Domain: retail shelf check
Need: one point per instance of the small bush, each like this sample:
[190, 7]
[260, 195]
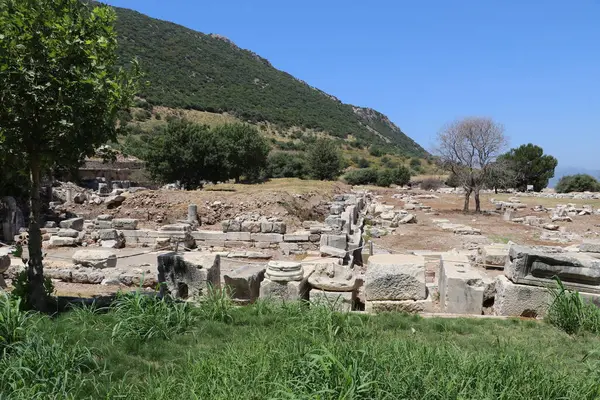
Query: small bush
[431, 184]
[571, 313]
[145, 317]
[577, 183]
[376, 151]
[385, 177]
[325, 160]
[363, 163]
[286, 165]
[365, 176]
[142, 115]
[21, 289]
[415, 163]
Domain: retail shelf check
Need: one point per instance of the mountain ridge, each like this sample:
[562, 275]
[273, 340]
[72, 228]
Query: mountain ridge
[209, 72]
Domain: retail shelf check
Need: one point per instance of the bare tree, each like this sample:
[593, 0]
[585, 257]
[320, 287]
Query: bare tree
[469, 148]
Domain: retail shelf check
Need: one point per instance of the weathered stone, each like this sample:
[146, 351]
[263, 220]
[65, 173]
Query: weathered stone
[111, 281]
[336, 208]
[337, 241]
[551, 227]
[209, 235]
[520, 300]
[56, 241]
[300, 236]
[181, 228]
[577, 271]
[408, 219]
[461, 286]
[267, 237]
[189, 275]
[108, 234]
[87, 275]
[337, 301]
[4, 262]
[402, 306]
[395, 277]
[245, 236]
[251, 226]
[335, 222]
[244, 282]
[590, 247]
[50, 224]
[114, 201]
[73, 223]
[138, 277]
[68, 233]
[104, 217]
[93, 258]
[284, 271]
[494, 256]
[333, 277]
[124, 223]
[289, 248]
[284, 291]
[279, 227]
[332, 251]
[266, 227]
[238, 243]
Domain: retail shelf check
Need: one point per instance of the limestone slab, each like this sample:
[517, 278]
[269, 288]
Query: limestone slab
[395, 277]
[333, 277]
[72, 223]
[267, 237]
[189, 275]
[244, 282]
[461, 286]
[95, 258]
[283, 291]
[337, 301]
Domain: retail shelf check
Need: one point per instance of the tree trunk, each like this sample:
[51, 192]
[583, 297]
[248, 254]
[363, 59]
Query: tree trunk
[467, 199]
[35, 268]
[496, 190]
[477, 201]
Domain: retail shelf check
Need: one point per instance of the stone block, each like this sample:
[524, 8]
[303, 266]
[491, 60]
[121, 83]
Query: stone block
[494, 256]
[263, 245]
[329, 251]
[289, 248]
[124, 223]
[520, 300]
[284, 291]
[238, 243]
[72, 223]
[267, 237]
[590, 247]
[244, 282]
[402, 306]
[279, 227]
[251, 226]
[338, 301]
[461, 286]
[56, 241]
[178, 228]
[245, 236]
[300, 236]
[333, 277]
[68, 233]
[335, 222]
[395, 277]
[577, 271]
[337, 241]
[336, 208]
[95, 258]
[104, 217]
[266, 227]
[209, 235]
[108, 234]
[87, 275]
[4, 262]
[103, 224]
[189, 275]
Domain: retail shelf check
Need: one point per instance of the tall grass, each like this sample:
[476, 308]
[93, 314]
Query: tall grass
[217, 305]
[571, 313]
[144, 317]
[15, 324]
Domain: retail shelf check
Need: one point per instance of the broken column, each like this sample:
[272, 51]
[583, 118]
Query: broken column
[396, 282]
[244, 282]
[333, 285]
[189, 275]
[192, 216]
[284, 280]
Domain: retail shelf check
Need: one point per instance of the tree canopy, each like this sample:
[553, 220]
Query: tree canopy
[325, 160]
[528, 165]
[60, 92]
[577, 183]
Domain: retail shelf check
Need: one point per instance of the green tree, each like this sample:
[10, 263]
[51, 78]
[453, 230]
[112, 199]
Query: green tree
[324, 160]
[530, 166]
[246, 149]
[577, 183]
[185, 152]
[60, 94]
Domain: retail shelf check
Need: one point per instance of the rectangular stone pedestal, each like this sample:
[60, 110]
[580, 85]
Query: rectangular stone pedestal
[188, 275]
[405, 306]
[339, 301]
[284, 291]
[461, 286]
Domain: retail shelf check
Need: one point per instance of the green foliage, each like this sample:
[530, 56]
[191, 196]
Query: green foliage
[530, 166]
[324, 160]
[415, 163]
[21, 289]
[453, 181]
[246, 150]
[383, 177]
[286, 165]
[577, 183]
[144, 316]
[217, 305]
[571, 313]
[365, 176]
[376, 151]
[15, 323]
[142, 115]
[191, 70]
[193, 154]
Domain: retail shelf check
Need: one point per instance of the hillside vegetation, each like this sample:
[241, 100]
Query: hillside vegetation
[191, 70]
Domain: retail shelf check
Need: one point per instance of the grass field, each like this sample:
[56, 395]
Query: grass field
[148, 349]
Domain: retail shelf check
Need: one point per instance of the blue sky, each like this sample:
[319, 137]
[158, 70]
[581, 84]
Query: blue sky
[533, 65]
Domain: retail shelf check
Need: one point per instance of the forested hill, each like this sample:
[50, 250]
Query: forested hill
[189, 69]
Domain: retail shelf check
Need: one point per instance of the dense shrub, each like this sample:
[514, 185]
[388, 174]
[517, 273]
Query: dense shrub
[365, 176]
[571, 313]
[431, 184]
[142, 115]
[415, 163]
[324, 160]
[286, 165]
[577, 183]
[376, 151]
